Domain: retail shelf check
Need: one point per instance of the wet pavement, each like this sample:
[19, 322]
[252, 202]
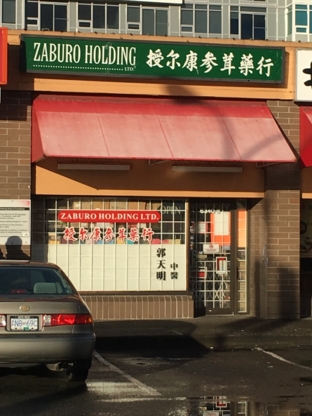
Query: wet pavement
[213, 332]
[207, 366]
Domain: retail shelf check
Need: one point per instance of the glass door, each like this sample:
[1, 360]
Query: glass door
[217, 256]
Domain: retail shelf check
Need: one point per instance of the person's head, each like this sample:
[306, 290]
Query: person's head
[14, 248]
[13, 242]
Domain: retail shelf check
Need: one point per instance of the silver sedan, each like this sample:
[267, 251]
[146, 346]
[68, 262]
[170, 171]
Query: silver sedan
[43, 319]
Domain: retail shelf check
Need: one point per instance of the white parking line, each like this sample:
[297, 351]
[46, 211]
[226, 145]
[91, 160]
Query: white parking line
[283, 359]
[150, 391]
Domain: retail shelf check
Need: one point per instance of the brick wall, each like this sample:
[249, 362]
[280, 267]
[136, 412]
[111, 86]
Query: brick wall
[282, 212]
[275, 237]
[257, 258]
[286, 114]
[114, 307]
[15, 139]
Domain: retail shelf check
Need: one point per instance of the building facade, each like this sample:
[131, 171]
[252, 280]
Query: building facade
[155, 153]
[278, 20]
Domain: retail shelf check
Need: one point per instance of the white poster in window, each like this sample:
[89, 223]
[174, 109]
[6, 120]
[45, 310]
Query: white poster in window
[15, 221]
[211, 248]
[148, 267]
[202, 227]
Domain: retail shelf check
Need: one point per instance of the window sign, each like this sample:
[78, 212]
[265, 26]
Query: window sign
[164, 269]
[107, 57]
[15, 221]
[108, 215]
[114, 244]
[107, 236]
[221, 265]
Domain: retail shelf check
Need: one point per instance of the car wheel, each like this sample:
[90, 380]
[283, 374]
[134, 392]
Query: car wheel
[79, 370]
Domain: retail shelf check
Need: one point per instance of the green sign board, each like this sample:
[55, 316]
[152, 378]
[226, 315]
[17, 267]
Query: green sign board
[108, 57]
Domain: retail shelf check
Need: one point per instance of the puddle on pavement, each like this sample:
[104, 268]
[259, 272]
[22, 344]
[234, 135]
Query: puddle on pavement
[112, 392]
[224, 406]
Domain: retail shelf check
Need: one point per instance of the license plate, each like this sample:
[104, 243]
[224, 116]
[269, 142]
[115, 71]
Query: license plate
[24, 323]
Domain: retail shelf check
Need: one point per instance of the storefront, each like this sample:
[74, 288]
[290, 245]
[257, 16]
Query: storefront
[147, 186]
[144, 231]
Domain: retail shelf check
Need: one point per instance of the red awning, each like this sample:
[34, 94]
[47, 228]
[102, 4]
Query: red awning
[306, 135]
[145, 128]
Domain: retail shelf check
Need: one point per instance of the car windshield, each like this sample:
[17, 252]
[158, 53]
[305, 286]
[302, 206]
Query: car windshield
[37, 280]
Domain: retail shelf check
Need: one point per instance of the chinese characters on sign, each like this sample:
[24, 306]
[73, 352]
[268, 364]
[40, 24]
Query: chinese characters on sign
[192, 62]
[108, 236]
[161, 273]
[152, 59]
[113, 216]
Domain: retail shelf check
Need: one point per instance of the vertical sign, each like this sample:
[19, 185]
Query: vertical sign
[304, 75]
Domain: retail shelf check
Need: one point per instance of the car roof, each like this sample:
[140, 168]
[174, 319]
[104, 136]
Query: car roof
[27, 263]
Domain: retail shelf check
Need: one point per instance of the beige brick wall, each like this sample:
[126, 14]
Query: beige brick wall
[282, 202]
[274, 255]
[257, 257]
[283, 270]
[117, 307]
[274, 235]
[286, 114]
[15, 139]
[15, 135]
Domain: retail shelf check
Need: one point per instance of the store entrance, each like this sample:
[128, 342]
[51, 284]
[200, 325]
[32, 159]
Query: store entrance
[218, 230]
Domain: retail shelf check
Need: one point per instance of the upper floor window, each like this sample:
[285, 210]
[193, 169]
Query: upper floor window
[98, 16]
[303, 19]
[9, 11]
[53, 17]
[147, 20]
[47, 16]
[201, 19]
[248, 22]
[234, 20]
[133, 18]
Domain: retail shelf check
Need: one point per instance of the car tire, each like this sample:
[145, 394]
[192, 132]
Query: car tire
[78, 371]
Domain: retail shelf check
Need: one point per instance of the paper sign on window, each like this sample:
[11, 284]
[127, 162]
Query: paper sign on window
[211, 248]
[221, 265]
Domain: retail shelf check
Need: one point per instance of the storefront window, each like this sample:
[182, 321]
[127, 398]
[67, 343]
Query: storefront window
[114, 244]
